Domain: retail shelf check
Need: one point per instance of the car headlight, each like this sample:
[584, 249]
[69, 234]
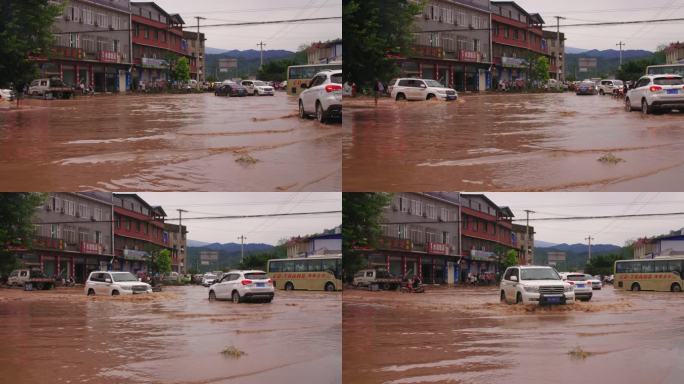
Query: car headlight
[569, 288]
[532, 288]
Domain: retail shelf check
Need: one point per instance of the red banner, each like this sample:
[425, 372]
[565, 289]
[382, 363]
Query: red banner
[469, 56]
[438, 248]
[108, 56]
[92, 248]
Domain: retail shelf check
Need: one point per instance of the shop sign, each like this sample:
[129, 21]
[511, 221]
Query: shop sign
[155, 63]
[472, 56]
[134, 254]
[482, 255]
[438, 248]
[108, 56]
[514, 62]
[394, 243]
[91, 248]
[47, 242]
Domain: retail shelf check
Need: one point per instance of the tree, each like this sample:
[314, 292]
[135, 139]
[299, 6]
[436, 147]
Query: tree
[162, 261]
[375, 30]
[17, 211]
[510, 259]
[180, 70]
[540, 70]
[24, 32]
[603, 264]
[361, 218]
[275, 70]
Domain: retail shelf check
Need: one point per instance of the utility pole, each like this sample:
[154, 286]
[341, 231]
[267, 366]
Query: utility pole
[180, 238]
[620, 44]
[527, 234]
[242, 239]
[589, 239]
[558, 19]
[197, 50]
[261, 46]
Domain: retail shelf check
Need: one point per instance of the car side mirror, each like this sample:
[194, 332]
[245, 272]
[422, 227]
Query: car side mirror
[423, 86]
[514, 278]
[108, 280]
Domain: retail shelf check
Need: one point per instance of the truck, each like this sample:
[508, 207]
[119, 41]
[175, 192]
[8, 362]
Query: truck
[379, 278]
[30, 279]
[52, 88]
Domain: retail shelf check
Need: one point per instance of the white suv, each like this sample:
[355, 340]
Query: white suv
[322, 96]
[257, 88]
[526, 284]
[113, 283]
[583, 287]
[656, 92]
[606, 87]
[243, 285]
[420, 89]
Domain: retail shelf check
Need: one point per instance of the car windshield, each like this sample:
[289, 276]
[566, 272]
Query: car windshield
[259, 83]
[576, 278]
[256, 276]
[618, 82]
[539, 274]
[434, 83]
[125, 276]
[668, 81]
[210, 277]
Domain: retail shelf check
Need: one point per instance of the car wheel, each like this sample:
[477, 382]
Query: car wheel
[645, 109]
[320, 114]
[256, 93]
[236, 297]
[628, 106]
[676, 288]
[503, 297]
[330, 287]
[115, 293]
[601, 92]
[212, 296]
[636, 287]
[430, 96]
[401, 97]
[289, 286]
[91, 292]
[302, 113]
[518, 298]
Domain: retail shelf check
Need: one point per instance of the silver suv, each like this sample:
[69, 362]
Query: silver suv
[243, 285]
[527, 284]
[322, 96]
[112, 283]
[420, 89]
[607, 87]
[654, 93]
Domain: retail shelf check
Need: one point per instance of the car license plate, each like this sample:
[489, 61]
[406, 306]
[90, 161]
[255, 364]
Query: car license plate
[260, 285]
[672, 91]
[451, 97]
[580, 285]
[553, 299]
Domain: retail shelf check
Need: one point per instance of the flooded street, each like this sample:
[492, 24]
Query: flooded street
[489, 141]
[193, 142]
[176, 336]
[466, 336]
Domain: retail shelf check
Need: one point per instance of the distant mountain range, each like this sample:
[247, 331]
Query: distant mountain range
[543, 244]
[571, 50]
[583, 248]
[248, 60]
[576, 255]
[608, 61]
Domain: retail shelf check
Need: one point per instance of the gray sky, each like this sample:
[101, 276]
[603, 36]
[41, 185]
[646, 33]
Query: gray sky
[262, 230]
[641, 36]
[612, 231]
[279, 36]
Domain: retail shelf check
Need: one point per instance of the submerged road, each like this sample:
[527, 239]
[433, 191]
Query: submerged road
[512, 142]
[175, 336]
[192, 142]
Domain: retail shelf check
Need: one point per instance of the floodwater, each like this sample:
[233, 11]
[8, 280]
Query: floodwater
[191, 142]
[176, 336]
[467, 336]
[512, 142]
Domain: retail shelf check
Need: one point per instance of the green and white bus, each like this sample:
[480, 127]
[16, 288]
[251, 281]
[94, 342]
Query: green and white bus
[315, 273]
[660, 274]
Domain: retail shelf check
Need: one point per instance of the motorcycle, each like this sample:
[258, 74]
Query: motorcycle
[408, 286]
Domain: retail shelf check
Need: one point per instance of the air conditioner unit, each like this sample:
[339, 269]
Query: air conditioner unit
[427, 17]
[424, 214]
[111, 27]
[97, 24]
[92, 217]
[62, 210]
[441, 218]
[471, 26]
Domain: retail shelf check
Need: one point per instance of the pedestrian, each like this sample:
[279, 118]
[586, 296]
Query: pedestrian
[379, 89]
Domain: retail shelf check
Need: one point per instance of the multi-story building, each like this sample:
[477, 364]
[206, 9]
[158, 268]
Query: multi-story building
[645, 248]
[557, 54]
[323, 244]
[138, 231]
[92, 46]
[178, 242]
[674, 53]
[524, 243]
[157, 37]
[73, 235]
[325, 52]
[452, 45]
[517, 38]
[196, 52]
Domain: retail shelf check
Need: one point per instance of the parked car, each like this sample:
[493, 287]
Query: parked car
[208, 279]
[583, 287]
[257, 88]
[421, 89]
[607, 87]
[50, 88]
[322, 96]
[239, 286]
[367, 277]
[655, 93]
[112, 283]
[586, 87]
[7, 95]
[230, 88]
[526, 284]
[595, 282]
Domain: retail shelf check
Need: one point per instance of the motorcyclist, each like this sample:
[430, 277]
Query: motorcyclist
[416, 282]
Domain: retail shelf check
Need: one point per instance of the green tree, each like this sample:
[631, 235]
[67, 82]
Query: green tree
[378, 29]
[17, 212]
[603, 264]
[24, 32]
[540, 70]
[275, 70]
[361, 219]
[180, 70]
[510, 259]
[162, 261]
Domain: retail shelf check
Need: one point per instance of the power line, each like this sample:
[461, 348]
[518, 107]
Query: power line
[569, 218]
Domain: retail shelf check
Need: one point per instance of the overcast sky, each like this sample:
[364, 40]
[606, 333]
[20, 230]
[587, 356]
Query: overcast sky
[279, 36]
[605, 231]
[262, 230]
[642, 36]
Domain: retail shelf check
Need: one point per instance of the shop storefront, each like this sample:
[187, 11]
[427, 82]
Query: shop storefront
[434, 266]
[462, 76]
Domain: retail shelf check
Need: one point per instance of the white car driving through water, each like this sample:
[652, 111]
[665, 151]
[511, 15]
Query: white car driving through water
[420, 89]
[526, 284]
[113, 283]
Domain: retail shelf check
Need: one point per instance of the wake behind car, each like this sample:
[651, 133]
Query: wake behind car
[7, 95]
[656, 93]
[230, 88]
[526, 284]
[240, 286]
[112, 283]
[421, 89]
[322, 96]
[257, 88]
[586, 87]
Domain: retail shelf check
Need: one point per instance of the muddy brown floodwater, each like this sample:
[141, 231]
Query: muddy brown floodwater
[489, 142]
[176, 336]
[466, 336]
[195, 142]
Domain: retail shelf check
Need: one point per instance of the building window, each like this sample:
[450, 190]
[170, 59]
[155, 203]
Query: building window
[83, 235]
[416, 207]
[430, 211]
[98, 237]
[69, 234]
[146, 33]
[446, 238]
[82, 210]
[69, 208]
[127, 223]
[55, 231]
